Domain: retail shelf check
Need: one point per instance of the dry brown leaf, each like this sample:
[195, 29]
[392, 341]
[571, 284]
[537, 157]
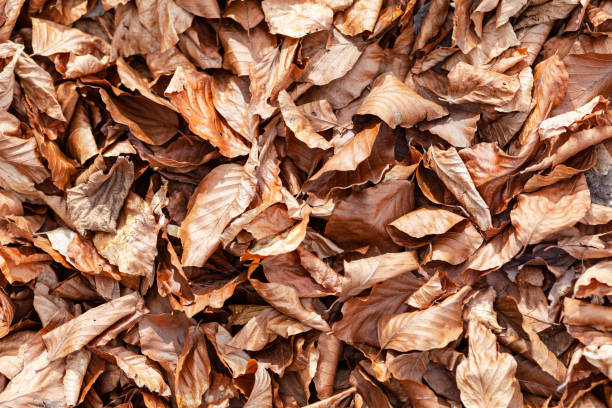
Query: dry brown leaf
[155, 153]
[191, 378]
[396, 104]
[340, 92]
[296, 18]
[428, 329]
[79, 331]
[137, 367]
[246, 13]
[222, 195]
[86, 54]
[95, 203]
[596, 280]
[231, 99]
[299, 124]
[377, 207]
[467, 83]
[421, 223]
[330, 56]
[451, 170]
[359, 17]
[486, 378]
[366, 272]
[549, 210]
[272, 72]
[149, 122]
[190, 92]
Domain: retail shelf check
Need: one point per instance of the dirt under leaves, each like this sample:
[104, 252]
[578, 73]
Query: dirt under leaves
[291, 203]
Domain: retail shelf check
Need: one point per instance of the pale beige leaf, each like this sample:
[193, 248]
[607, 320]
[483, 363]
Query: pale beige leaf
[296, 18]
[133, 246]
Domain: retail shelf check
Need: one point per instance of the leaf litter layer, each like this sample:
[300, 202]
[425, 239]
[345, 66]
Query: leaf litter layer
[291, 203]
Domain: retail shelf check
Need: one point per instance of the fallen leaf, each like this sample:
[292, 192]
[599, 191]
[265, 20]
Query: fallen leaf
[413, 330]
[396, 104]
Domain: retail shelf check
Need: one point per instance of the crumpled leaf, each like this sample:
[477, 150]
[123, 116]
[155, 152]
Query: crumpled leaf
[190, 91]
[149, 122]
[596, 280]
[338, 52]
[38, 84]
[299, 124]
[39, 383]
[359, 17]
[467, 83]
[86, 54]
[133, 246]
[450, 169]
[378, 206]
[95, 204]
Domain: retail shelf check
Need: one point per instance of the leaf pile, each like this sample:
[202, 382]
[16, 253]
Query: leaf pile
[290, 203]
